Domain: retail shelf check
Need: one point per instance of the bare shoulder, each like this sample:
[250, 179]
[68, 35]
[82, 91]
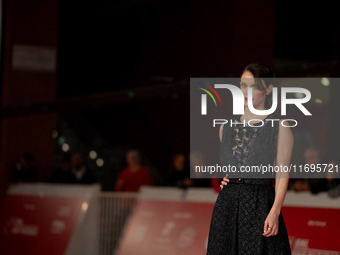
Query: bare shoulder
[285, 132]
[221, 132]
[285, 144]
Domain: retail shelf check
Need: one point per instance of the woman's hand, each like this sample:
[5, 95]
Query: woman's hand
[224, 182]
[271, 225]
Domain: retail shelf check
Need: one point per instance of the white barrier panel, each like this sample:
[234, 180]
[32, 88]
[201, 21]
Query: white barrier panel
[310, 218]
[50, 219]
[201, 195]
[174, 226]
[161, 193]
[306, 199]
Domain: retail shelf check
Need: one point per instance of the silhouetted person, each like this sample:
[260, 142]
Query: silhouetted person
[134, 175]
[79, 172]
[333, 176]
[311, 156]
[179, 174]
[333, 179]
[197, 159]
[64, 167]
[24, 170]
[330, 181]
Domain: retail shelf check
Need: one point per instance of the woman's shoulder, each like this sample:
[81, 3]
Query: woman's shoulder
[274, 119]
[274, 116]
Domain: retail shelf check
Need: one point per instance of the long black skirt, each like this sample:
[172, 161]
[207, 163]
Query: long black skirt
[238, 220]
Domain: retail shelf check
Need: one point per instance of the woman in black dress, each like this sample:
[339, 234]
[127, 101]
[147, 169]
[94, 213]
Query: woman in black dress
[247, 216]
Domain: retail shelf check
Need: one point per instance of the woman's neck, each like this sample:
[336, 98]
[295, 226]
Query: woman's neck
[249, 115]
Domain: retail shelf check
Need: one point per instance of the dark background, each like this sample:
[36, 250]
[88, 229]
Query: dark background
[123, 71]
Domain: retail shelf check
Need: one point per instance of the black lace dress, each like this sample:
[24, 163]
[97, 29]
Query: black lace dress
[243, 205]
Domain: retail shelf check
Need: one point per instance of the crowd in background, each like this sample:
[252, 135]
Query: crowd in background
[73, 170]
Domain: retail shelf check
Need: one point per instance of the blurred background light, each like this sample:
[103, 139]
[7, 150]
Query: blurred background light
[65, 147]
[92, 154]
[100, 162]
[325, 81]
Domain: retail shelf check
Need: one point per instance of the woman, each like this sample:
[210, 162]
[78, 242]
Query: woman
[247, 215]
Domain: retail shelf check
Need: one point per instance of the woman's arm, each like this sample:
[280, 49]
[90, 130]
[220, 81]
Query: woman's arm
[221, 132]
[285, 143]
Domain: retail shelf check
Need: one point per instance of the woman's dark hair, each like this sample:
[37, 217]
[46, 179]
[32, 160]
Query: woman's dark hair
[260, 71]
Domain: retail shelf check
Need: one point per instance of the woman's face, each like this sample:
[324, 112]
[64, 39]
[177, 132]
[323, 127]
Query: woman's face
[260, 91]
